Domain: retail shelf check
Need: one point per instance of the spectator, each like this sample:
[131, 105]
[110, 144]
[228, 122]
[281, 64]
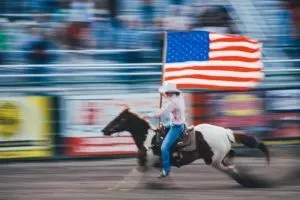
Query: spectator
[130, 38]
[177, 2]
[52, 6]
[82, 11]
[73, 39]
[103, 33]
[3, 43]
[39, 6]
[177, 21]
[4, 6]
[36, 53]
[37, 49]
[215, 19]
[113, 6]
[82, 14]
[294, 7]
[147, 12]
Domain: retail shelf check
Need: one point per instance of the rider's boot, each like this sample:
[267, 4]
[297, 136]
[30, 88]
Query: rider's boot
[163, 174]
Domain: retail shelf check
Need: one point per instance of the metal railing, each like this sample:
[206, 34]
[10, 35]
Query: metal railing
[98, 65]
[76, 77]
[88, 51]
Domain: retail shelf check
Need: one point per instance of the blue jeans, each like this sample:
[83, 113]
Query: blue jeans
[172, 136]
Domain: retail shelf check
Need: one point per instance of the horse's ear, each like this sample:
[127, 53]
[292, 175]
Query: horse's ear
[125, 105]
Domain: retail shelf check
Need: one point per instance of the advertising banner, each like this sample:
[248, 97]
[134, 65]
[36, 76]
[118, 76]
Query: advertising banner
[25, 127]
[85, 116]
[283, 107]
[239, 110]
[283, 100]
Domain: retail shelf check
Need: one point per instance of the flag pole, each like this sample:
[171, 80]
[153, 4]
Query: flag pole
[163, 67]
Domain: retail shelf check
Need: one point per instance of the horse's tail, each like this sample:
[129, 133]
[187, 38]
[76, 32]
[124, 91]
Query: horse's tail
[252, 142]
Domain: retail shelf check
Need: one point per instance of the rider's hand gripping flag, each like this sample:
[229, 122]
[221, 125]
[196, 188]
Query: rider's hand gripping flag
[205, 60]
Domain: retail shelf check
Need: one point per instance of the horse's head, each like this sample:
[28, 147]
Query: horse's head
[118, 124]
[128, 121]
[138, 127]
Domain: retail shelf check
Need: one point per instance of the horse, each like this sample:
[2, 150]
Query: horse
[215, 148]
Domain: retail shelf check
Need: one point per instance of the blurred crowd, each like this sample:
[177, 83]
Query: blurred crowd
[95, 31]
[30, 28]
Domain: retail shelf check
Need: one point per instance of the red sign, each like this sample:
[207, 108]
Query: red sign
[100, 146]
[86, 113]
[85, 116]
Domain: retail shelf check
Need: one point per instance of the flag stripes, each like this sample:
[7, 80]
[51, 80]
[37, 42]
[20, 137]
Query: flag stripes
[234, 62]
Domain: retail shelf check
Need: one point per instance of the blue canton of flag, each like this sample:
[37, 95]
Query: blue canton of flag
[187, 46]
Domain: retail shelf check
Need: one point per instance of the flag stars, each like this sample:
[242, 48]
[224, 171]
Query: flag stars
[187, 46]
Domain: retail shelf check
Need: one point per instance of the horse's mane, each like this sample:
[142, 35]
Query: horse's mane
[140, 117]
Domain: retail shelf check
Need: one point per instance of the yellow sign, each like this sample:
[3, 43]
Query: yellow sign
[9, 118]
[241, 105]
[25, 127]
[33, 153]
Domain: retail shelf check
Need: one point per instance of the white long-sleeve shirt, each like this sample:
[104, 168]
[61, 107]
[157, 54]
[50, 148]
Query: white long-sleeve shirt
[175, 107]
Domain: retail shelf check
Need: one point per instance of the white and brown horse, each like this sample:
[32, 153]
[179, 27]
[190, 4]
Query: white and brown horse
[213, 143]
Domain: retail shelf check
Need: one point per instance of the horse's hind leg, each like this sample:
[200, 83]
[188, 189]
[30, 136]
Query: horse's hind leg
[233, 173]
[227, 169]
[228, 160]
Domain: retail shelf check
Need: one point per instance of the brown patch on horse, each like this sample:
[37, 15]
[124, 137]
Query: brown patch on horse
[204, 149]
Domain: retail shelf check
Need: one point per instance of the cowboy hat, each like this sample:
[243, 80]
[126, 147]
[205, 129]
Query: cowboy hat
[168, 87]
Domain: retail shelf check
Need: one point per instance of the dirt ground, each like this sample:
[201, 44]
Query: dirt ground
[118, 179]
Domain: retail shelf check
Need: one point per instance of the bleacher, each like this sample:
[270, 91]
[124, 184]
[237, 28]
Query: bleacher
[264, 20]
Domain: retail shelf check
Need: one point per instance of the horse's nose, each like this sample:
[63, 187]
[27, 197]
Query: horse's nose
[104, 131]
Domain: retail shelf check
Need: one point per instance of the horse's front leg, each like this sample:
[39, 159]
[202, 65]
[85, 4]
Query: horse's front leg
[142, 160]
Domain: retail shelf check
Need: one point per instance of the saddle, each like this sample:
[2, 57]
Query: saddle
[186, 145]
[187, 141]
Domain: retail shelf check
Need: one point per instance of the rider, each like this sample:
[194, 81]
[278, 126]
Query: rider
[175, 107]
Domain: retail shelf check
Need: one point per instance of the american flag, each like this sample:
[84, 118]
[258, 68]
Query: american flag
[206, 60]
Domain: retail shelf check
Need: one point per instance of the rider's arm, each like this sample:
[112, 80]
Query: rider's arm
[164, 110]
